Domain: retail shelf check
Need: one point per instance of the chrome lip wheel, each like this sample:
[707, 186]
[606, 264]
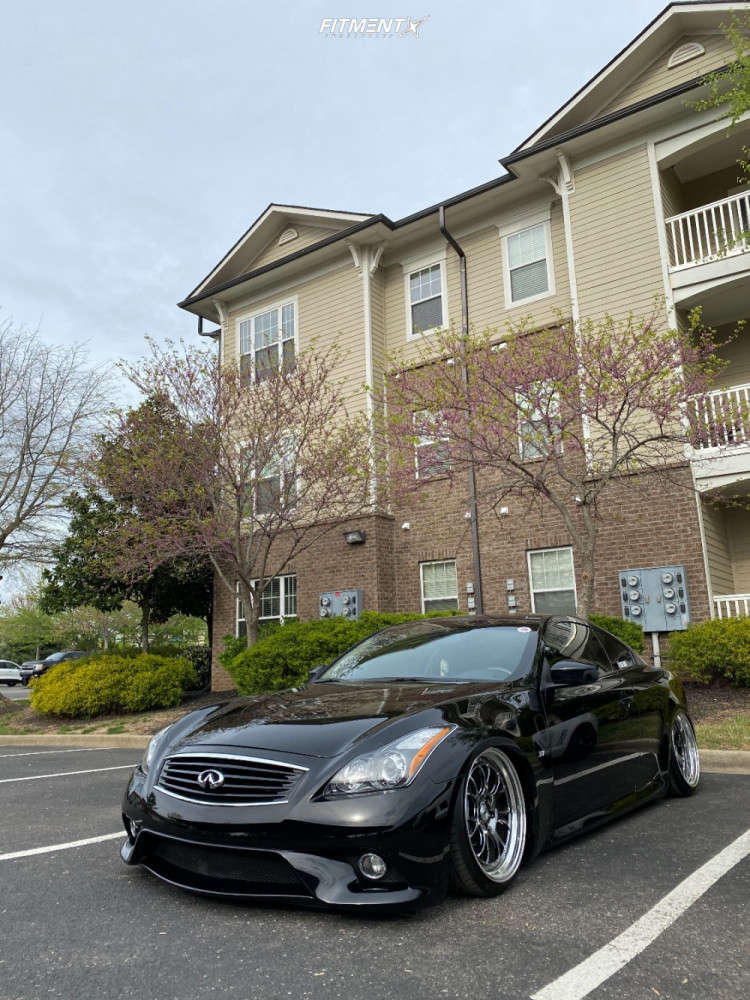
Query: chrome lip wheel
[685, 749]
[495, 815]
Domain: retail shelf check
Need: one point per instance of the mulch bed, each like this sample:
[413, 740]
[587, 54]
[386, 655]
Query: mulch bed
[714, 704]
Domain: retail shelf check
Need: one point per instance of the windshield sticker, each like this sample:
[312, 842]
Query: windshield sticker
[523, 628]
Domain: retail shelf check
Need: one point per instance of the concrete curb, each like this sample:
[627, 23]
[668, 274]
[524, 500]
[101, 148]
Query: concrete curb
[712, 761]
[725, 761]
[119, 741]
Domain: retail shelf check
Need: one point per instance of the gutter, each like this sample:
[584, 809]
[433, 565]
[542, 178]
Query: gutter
[472, 476]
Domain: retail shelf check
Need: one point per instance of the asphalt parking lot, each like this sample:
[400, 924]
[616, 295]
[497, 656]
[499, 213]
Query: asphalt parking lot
[76, 923]
[17, 693]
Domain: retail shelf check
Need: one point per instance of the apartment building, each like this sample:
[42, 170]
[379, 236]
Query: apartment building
[624, 194]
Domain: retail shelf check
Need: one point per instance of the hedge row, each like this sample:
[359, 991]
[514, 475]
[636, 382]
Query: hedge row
[284, 658]
[112, 682]
[713, 650]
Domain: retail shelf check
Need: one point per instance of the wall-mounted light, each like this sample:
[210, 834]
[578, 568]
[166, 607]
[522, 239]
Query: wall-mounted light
[354, 537]
[406, 526]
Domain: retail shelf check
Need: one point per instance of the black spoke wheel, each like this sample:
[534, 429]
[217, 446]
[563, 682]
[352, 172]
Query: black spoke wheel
[684, 762]
[489, 825]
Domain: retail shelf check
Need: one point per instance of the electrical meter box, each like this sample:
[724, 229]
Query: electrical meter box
[655, 598]
[340, 604]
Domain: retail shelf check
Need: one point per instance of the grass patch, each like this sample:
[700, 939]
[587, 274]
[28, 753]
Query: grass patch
[728, 734]
[120, 728]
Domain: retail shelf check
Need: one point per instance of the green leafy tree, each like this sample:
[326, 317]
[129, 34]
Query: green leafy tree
[730, 88]
[83, 572]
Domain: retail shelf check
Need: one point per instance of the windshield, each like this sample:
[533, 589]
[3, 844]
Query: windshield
[55, 657]
[439, 651]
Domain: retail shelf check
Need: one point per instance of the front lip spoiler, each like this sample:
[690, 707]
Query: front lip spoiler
[332, 889]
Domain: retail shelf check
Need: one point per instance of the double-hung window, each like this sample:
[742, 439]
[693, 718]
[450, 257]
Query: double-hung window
[276, 486]
[278, 601]
[538, 408]
[552, 581]
[528, 272]
[425, 300]
[439, 585]
[432, 453]
[268, 341]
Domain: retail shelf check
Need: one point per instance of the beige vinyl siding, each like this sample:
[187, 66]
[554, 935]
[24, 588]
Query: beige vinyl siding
[306, 236]
[329, 311]
[737, 523]
[713, 187]
[717, 549]
[658, 77]
[615, 242]
[737, 353]
[484, 276]
[672, 195]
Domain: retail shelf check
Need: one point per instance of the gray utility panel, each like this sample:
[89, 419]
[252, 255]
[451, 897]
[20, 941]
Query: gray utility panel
[655, 598]
[340, 604]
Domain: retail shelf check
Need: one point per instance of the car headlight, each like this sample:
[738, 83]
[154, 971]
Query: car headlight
[393, 766]
[154, 744]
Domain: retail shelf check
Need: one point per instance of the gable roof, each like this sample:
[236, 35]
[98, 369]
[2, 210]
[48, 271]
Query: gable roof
[272, 221]
[599, 93]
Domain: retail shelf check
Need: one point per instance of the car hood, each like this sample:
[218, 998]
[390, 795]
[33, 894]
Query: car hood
[324, 720]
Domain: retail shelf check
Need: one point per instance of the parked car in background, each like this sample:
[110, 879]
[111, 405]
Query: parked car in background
[10, 673]
[54, 658]
[27, 669]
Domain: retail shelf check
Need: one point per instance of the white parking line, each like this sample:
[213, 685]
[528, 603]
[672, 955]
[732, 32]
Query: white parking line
[36, 753]
[62, 847]
[593, 971]
[66, 774]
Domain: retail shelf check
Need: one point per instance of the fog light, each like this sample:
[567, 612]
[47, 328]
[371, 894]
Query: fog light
[372, 866]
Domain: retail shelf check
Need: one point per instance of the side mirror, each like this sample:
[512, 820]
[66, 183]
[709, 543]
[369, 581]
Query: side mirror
[315, 672]
[570, 673]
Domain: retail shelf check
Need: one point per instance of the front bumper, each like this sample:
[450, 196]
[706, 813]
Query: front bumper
[306, 853]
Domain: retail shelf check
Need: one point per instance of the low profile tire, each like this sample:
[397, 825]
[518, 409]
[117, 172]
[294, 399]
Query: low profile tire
[488, 836]
[684, 762]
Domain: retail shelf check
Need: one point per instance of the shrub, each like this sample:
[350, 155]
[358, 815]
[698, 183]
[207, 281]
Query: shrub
[712, 650]
[285, 657]
[629, 632]
[112, 682]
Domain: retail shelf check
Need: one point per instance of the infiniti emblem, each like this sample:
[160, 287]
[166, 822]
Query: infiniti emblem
[210, 780]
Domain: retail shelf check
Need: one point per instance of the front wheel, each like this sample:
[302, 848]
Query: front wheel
[489, 826]
[684, 762]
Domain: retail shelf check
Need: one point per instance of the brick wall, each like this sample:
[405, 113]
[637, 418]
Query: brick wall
[648, 524]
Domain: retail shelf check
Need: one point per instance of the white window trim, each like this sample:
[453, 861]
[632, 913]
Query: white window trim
[246, 317]
[520, 398]
[257, 596]
[551, 590]
[432, 562]
[410, 267]
[426, 441]
[282, 476]
[518, 227]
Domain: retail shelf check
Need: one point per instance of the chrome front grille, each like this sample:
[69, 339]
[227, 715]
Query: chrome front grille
[245, 781]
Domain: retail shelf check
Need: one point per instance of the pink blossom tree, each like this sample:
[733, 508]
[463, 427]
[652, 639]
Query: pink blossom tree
[250, 472]
[561, 418]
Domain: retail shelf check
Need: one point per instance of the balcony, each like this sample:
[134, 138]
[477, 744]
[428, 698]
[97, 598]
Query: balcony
[709, 233]
[721, 418]
[732, 605]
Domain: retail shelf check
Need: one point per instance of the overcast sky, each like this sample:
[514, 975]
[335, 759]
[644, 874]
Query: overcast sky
[140, 139]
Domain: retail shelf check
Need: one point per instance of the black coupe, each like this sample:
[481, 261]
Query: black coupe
[435, 753]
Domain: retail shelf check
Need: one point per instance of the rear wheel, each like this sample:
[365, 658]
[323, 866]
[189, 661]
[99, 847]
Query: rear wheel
[684, 762]
[489, 826]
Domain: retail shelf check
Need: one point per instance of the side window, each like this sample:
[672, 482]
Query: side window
[566, 639]
[619, 654]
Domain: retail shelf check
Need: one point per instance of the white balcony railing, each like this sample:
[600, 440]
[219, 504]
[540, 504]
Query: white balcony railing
[710, 232]
[732, 605]
[721, 418]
